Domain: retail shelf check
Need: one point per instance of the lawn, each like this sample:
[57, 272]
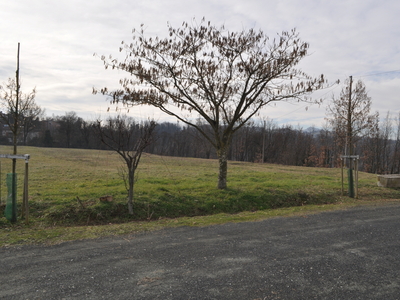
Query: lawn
[170, 191]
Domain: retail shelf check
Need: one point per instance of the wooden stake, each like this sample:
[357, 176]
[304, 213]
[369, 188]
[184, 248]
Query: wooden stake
[356, 177]
[342, 178]
[26, 194]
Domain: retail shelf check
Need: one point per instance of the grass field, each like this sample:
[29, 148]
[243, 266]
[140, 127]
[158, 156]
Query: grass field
[170, 191]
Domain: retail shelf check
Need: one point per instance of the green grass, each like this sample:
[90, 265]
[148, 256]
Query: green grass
[169, 192]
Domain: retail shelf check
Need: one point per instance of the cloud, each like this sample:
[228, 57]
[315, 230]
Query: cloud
[58, 39]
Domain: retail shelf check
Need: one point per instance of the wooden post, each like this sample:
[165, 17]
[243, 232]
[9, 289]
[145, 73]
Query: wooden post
[263, 144]
[356, 176]
[350, 140]
[26, 194]
[0, 182]
[14, 131]
[342, 177]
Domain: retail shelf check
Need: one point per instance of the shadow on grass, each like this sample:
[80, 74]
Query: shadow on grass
[178, 205]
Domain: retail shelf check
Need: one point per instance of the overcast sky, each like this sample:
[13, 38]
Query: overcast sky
[58, 39]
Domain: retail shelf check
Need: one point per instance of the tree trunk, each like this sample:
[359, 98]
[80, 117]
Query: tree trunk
[223, 168]
[131, 181]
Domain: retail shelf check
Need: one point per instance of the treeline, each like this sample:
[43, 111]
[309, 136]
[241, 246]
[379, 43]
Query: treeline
[268, 142]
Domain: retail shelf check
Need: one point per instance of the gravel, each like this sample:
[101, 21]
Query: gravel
[346, 254]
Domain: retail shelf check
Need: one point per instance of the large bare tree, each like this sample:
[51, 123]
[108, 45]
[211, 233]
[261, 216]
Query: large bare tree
[203, 71]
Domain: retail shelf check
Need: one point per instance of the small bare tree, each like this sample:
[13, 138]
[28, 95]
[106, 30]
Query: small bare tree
[18, 115]
[349, 115]
[350, 119]
[224, 78]
[129, 140]
[31, 118]
[13, 105]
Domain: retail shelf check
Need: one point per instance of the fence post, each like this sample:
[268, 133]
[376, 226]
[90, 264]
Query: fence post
[26, 194]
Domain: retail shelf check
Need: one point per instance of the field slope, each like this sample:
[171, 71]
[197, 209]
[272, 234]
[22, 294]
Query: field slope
[65, 186]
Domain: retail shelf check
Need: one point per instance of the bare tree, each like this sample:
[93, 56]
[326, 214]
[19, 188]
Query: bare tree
[349, 115]
[30, 118]
[68, 126]
[386, 132]
[17, 114]
[351, 119]
[395, 169]
[129, 140]
[224, 77]
[14, 103]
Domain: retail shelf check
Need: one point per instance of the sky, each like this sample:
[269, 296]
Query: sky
[58, 40]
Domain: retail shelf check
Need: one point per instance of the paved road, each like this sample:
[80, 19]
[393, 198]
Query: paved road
[351, 254]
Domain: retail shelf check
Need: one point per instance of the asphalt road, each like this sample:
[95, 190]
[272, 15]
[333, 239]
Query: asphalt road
[349, 254]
